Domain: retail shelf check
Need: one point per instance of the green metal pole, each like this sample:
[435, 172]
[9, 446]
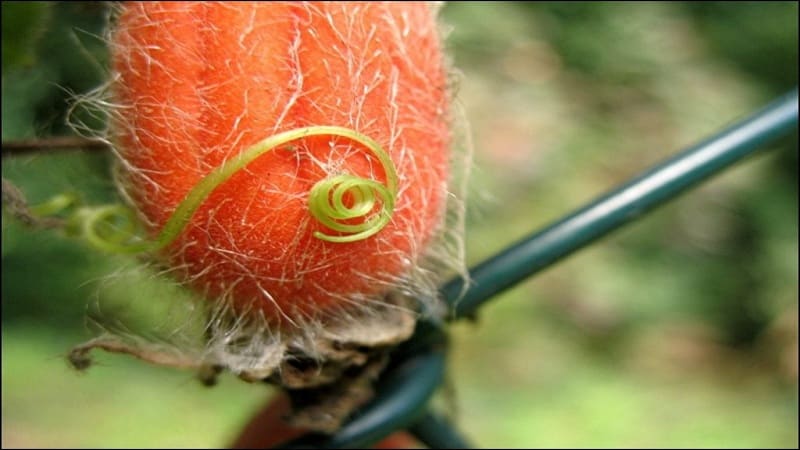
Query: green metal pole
[436, 432]
[624, 204]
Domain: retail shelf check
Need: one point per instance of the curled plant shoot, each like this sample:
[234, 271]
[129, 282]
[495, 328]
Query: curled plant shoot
[335, 201]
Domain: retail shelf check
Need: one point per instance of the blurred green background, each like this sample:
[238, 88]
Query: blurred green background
[680, 330]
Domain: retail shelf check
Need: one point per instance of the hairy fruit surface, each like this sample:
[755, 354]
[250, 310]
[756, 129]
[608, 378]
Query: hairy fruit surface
[199, 83]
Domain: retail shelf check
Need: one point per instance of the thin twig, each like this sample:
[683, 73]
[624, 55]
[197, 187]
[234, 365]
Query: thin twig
[15, 204]
[80, 360]
[13, 148]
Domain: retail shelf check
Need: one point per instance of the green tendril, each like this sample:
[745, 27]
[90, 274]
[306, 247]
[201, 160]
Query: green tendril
[327, 205]
[56, 205]
[113, 227]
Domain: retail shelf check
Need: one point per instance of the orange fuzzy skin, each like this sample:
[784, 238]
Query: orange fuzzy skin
[200, 82]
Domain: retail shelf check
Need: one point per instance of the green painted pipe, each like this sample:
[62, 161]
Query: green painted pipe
[436, 432]
[622, 205]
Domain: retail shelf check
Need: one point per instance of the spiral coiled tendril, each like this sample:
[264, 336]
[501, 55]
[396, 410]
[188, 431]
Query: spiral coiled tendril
[112, 227]
[326, 203]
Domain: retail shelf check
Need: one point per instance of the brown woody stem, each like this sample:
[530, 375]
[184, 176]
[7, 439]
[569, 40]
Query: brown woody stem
[12, 148]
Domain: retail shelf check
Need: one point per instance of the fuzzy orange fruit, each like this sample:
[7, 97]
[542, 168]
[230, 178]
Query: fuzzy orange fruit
[198, 83]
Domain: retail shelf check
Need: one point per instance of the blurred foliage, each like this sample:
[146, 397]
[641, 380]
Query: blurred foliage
[680, 330]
